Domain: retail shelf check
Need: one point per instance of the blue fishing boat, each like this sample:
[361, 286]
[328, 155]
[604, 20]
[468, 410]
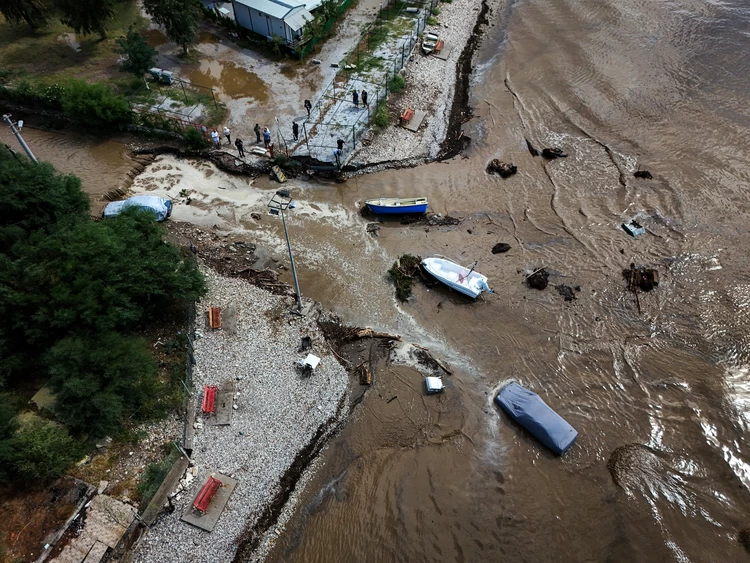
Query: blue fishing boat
[530, 411]
[396, 205]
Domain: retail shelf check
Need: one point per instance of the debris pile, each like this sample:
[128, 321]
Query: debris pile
[645, 174]
[641, 277]
[567, 292]
[500, 247]
[403, 272]
[538, 279]
[553, 153]
[504, 169]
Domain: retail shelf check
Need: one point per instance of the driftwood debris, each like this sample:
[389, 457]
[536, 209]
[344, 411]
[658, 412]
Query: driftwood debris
[365, 375]
[639, 279]
[369, 333]
[425, 357]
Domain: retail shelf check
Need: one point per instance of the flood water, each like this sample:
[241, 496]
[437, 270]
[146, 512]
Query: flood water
[661, 467]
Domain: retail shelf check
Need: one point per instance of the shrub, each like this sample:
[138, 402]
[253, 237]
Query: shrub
[95, 104]
[380, 117]
[432, 20]
[397, 83]
[99, 379]
[43, 450]
[436, 11]
[194, 139]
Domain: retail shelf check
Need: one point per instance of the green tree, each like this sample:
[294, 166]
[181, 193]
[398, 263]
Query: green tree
[33, 12]
[139, 56]
[180, 19]
[36, 198]
[98, 380]
[86, 16]
[95, 104]
[42, 450]
[94, 278]
[8, 426]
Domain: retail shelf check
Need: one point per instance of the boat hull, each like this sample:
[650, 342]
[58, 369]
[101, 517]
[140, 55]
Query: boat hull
[456, 277]
[388, 210]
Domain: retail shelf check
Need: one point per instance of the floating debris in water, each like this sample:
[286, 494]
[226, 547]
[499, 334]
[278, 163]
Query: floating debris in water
[553, 153]
[504, 169]
[538, 279]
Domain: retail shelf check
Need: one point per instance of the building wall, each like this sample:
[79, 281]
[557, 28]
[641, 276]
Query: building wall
[260, 23]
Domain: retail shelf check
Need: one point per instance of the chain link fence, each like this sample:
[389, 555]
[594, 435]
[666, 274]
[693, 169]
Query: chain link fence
[384, 48]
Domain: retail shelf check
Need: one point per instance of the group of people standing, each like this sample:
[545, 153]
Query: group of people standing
[356, 96]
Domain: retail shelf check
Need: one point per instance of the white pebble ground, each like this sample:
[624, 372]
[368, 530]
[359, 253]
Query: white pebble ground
[277, 414]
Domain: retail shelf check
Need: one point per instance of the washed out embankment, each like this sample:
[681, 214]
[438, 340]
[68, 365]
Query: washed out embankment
[280, 419]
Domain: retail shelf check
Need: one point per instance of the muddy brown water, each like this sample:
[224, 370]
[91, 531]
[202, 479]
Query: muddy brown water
[660, 470]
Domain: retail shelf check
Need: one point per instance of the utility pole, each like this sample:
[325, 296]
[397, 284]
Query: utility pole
[17, 133]
[279, 203]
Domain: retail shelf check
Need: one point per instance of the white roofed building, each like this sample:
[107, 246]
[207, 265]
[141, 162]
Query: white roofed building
[284, 18]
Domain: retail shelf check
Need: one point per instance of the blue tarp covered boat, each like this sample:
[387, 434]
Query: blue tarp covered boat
[396, 205]
[530, 411]
[161, 207]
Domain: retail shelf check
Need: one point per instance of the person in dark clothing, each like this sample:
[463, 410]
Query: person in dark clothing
[257, 133]
[308, 107]
[364, 98]
[240, 147]
[340, 144]
[295, 130]
[355, 99]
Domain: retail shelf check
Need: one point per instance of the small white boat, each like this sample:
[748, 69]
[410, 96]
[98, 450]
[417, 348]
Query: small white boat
[428, 43]
[464, 280]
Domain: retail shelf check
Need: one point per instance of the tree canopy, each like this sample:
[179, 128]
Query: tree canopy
[72, 293]
[98, 380]
[87, 16]
[180, 19]
[34, 12]
[138, 55]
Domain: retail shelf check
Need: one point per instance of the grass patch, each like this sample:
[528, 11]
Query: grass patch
[432, 20]
[402, 274]
[397, 83]
[154, 474]
[380, 117]
[436, 11]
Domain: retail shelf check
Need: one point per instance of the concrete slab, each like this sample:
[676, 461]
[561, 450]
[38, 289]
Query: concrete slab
[416, 120]
[443, 54]
[224, 401]
[44, 399]
[96, 552]
[106, 520]
[208, 520]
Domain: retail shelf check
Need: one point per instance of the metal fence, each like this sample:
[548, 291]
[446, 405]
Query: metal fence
[371, 66]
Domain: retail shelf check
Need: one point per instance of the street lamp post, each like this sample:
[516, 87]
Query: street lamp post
[17, 132]
[279, 203]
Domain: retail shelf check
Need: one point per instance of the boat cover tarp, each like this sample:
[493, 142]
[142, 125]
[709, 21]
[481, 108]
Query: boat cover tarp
[530, 411]
[159, 205]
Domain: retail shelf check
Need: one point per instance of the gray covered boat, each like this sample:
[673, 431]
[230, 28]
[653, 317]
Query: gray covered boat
[530, 411]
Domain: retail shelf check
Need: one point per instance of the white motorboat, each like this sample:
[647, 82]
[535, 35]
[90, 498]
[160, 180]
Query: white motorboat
[464, 280]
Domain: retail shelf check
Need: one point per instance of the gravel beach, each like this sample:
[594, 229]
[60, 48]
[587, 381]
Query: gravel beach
[430, 87]
[276, 413]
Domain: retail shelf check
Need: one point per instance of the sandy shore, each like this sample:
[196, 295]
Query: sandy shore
[276, 415]
[431, 85]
